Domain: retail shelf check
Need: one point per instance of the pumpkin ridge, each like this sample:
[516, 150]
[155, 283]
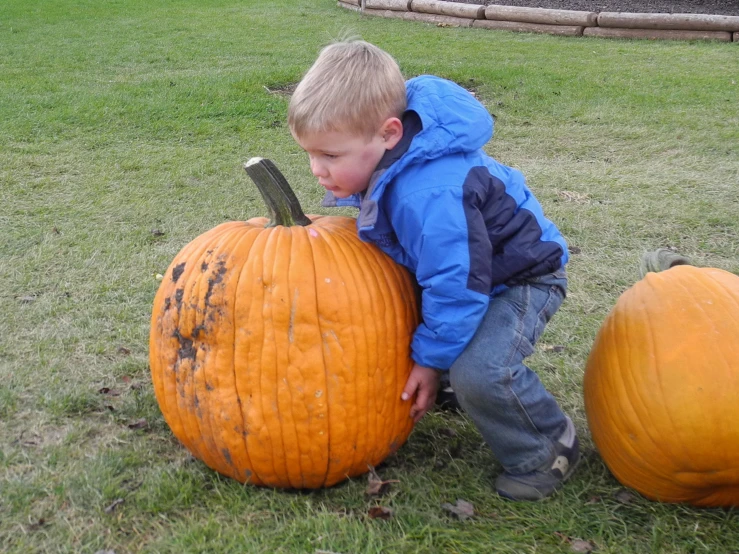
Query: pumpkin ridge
[315, 255]
[276, 431]
[662, 450]
[285, 416]
[391, 328]
[370, 335]
[628, 383]
[399, 322]
[221, 296]
[398, 325]
[654, 346]
[266, 469]
[379, 332]
[296, 377]
[362, 393]
[303, 275]
[246, 242]
[350, 421]
[186, 368]
[202, 442]
[252, 415]
[295, 272]
[203, 380]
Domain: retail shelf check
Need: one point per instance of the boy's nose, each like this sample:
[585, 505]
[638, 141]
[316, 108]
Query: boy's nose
[317, 168]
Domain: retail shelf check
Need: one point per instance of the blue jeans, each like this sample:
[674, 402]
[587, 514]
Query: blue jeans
[518, 418]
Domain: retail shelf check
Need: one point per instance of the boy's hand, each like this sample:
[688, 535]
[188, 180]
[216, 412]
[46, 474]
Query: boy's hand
[424, 383]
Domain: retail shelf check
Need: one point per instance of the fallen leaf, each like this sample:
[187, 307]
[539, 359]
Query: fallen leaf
[624, 496]
[551, 347]
[138, 424]
[579, 545]
[109, 392]
[380, 512]
[375, 485]
[37, 525]
[157, 232]
[123, 351]
[462, 509]
[117, 502]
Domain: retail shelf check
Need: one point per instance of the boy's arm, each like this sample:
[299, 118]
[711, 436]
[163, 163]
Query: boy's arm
[453, 252]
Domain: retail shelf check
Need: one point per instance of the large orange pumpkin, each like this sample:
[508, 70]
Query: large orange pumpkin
[661, 387]
[279, 350]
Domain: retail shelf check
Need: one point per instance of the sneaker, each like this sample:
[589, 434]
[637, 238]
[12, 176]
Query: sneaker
[543, 481]
[445, 398]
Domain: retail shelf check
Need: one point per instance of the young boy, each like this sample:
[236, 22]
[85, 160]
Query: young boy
[489, 264]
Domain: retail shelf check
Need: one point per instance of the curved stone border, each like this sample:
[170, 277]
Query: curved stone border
[670, 26]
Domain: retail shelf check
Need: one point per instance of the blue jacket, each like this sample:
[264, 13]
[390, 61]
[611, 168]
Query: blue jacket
[465, 225]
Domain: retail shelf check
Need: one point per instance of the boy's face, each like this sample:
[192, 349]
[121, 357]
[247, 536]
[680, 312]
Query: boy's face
[343, 162]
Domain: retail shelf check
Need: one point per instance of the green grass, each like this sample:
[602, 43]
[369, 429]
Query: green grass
[120, 118]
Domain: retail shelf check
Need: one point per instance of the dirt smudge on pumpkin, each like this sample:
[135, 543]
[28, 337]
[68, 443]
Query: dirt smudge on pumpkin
[198, 329]
[178, 296]
[186, 350]
[178, 271]
[227, 455]
[215, 279]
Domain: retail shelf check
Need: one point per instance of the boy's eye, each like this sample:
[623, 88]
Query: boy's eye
[331, 156]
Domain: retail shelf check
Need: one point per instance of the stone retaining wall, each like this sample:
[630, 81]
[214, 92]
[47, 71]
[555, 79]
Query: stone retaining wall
[672, 26]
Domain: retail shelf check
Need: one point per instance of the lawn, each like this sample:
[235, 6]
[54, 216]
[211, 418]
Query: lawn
[124, 125]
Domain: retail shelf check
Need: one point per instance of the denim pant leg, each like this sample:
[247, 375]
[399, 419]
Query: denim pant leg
[518, 418]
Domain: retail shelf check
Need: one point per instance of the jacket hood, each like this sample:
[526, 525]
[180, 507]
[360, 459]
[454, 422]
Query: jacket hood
[452, 119]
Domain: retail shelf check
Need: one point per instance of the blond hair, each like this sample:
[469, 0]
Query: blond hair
[353, 86]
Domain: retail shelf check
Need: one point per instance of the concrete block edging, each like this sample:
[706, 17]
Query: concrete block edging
[653, 26]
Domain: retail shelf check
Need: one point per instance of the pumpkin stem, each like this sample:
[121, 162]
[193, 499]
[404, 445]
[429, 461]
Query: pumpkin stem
[281, 201]
[661, 260]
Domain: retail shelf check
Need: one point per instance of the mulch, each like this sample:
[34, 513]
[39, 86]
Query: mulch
[714, 7]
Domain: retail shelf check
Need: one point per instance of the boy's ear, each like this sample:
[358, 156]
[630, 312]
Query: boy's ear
[391, 132]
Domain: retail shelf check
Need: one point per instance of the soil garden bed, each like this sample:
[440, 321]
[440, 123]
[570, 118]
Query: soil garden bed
[715, 20]
[715, 7]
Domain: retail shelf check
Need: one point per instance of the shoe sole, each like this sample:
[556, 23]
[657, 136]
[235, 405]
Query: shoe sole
[565, 477]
